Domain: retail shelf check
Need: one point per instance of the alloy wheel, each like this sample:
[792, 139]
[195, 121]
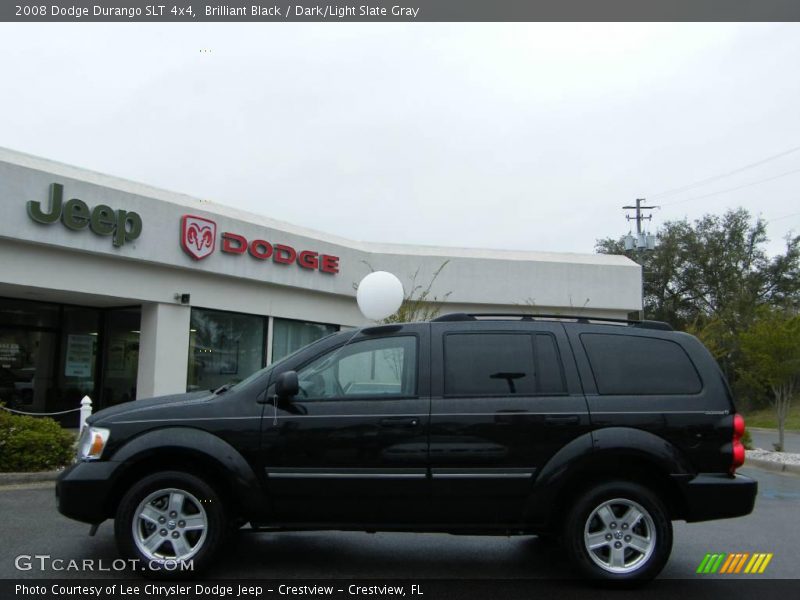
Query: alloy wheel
[619, 535]
[170, 524]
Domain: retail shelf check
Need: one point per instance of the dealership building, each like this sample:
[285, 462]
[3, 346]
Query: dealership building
[118, 290]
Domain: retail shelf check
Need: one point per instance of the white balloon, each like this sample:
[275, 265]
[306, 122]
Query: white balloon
[379, 295]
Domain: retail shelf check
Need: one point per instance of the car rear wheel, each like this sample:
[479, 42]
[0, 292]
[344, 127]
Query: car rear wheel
[171, 523]
[619, 532]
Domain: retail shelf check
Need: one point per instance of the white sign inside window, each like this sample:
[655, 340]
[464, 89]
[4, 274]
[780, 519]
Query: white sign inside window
[80, 356]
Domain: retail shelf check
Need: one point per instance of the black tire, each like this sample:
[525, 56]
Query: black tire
[633, 554]
[204, 521]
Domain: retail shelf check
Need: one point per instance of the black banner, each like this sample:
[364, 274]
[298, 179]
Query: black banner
[188, 11]
[435, 589]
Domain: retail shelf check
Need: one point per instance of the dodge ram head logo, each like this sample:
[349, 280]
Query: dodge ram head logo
[199, 239]
[198, 236]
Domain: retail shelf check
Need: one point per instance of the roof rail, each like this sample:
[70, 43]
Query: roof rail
[644, 324]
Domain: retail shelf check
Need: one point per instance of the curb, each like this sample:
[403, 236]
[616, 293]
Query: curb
[771, 465]
[17, 478]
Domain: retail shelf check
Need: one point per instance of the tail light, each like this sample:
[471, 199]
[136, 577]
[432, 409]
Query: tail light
[737, 460]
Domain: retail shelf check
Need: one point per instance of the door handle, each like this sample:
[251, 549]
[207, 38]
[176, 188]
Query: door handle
[562, 420]
[399, 422]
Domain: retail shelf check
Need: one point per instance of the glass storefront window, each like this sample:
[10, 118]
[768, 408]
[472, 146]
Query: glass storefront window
[224, 348]
[79, 338]
[289, 335]
[26, 368]
[28, 313]
[120, 355]
[52, 355]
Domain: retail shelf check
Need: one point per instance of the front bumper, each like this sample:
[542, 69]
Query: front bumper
[83, 490]
[710, 496]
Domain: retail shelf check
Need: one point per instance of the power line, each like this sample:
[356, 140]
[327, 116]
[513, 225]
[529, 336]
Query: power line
[783, 217]
[738, 187]
[689, 186]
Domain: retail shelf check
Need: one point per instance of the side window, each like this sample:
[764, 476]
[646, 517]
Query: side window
[633, 365]
[489, 364]
[549, 370]
[379, 367]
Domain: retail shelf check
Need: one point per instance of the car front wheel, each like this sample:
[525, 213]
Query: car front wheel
[619, 532]
[171, 523]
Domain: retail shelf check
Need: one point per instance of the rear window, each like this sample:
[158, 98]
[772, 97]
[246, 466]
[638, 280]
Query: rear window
[632, 365]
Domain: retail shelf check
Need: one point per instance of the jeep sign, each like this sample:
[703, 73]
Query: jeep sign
[122, 225]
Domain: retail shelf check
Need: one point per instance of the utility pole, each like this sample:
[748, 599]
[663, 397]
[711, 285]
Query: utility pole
[639, 216]
[643, 240]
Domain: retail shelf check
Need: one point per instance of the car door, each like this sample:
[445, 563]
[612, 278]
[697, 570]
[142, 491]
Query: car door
[351, 446]
[504, 400]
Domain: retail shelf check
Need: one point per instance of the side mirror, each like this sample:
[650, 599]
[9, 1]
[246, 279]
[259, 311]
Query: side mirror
[286, 384]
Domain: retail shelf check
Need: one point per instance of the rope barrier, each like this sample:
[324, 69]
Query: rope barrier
[20, 412]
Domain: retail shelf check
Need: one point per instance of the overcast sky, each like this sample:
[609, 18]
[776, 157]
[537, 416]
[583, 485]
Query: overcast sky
[518, 136]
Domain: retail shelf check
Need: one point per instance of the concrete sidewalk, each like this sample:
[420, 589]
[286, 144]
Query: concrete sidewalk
[21, 478]
[784, 462]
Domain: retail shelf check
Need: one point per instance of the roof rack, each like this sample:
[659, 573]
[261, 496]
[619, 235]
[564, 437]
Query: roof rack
[644, 324]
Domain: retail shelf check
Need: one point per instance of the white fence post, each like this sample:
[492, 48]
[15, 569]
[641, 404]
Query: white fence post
[86, 411]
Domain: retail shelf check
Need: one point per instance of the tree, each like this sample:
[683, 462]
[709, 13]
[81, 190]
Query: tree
[715, 268]
[771, 349]
[418, 303]
[710, 276]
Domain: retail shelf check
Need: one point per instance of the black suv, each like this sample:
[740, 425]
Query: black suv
[595, 433]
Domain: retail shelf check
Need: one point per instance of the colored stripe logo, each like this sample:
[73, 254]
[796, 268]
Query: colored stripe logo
[734, 563]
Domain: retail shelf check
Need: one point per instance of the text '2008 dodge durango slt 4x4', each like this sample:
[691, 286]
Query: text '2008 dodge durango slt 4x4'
[598, 433]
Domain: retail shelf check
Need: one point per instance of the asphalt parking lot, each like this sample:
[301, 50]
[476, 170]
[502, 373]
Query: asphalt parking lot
[765, 438]
[31, 525]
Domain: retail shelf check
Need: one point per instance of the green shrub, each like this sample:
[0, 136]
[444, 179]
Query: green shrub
[33, 444]
[747, 441]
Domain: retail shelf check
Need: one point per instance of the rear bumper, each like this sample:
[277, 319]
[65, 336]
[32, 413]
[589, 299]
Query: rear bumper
[710, 496]
[82, 490]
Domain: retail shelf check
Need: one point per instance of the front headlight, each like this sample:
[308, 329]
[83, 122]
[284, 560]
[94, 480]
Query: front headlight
[92, 443]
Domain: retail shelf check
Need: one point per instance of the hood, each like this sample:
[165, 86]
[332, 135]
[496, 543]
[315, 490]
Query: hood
[144, 407]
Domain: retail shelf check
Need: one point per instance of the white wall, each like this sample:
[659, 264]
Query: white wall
[51, 262]
[163, 344]
[473, 276]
